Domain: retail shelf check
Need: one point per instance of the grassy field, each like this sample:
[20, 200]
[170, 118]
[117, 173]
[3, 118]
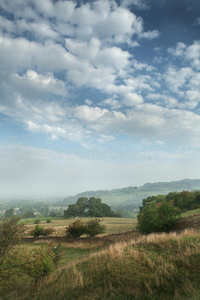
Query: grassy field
[157, 266]
[191, 212]
[113, 225]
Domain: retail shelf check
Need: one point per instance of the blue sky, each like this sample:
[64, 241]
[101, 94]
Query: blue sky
[98, 94]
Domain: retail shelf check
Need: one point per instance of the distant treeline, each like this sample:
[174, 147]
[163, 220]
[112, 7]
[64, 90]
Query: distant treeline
[92, 207]
[183, 201]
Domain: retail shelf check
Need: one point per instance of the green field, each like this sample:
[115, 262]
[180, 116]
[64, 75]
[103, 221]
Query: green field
[113, 225]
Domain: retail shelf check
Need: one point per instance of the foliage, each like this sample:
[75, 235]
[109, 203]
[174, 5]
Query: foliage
[183, 201]
[28, 214]
[18, 265]
[11, 233]
[92, 207]
[41, 262]
[9, 213]
[94, 227]
[160, 266]
[57, 250]
[91, 227]
[48, 231]
[37, 221]
[48, 221]
[157, 217]
[76, 229]
[39, 230]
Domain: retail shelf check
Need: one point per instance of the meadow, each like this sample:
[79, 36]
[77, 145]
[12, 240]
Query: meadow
[157, 266]
[120, 264]
[113, 225]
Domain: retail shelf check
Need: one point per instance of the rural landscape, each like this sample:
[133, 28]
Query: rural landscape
[92, 252]
[99, 149]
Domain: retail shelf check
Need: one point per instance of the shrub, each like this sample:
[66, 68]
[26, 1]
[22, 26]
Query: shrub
[41, 262]
[76, 229]
[157, 217]
[57, 250]
[39, 230]
[37, 221]
[11, 233]
[48, 221]
[11, 258]
[48, 231]
[94, 227]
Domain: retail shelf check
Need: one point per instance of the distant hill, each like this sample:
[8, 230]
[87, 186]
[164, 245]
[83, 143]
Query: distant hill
[130, 198]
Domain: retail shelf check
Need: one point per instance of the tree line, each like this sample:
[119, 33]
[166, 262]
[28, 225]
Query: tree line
[92, 207]
[160, 213]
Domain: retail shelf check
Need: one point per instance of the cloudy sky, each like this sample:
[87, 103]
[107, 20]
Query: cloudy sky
[98, 94]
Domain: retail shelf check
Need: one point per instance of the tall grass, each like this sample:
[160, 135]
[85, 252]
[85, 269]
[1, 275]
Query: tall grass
[157, 266]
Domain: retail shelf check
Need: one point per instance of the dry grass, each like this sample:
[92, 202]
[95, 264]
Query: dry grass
[113, 225]
[157, 266]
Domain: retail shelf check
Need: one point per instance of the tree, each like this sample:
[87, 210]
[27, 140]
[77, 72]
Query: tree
[9, 213]
[89, 208]
[157, 217]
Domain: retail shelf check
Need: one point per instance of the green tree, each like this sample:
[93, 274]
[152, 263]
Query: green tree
[157, 217]
[89, 208]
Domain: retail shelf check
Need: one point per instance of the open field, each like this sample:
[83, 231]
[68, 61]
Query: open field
[113, 225]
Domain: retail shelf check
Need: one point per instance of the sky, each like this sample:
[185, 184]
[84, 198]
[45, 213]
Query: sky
[98, 94]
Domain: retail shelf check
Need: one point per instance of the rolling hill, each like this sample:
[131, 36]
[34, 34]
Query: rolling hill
[130, 198]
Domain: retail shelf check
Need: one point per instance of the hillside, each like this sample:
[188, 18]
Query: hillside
[157, 266]
[130, 198]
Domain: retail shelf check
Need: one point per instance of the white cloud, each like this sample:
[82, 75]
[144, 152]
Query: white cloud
[179, 50]
[177, 78]
[132, 99]
[35, 84]
[190, 53]
[113, 103]
[150, 35]
[138, 3]
[89, 114]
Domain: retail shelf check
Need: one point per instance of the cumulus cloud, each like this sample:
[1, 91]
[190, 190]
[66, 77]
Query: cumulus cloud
[190, 53]
[52, 51]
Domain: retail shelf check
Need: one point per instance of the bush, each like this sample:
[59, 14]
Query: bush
[76, 229]
[39, 230]
[37, 221]
[94, 227]
[11, 233]
[57, 250]
[48, 231]
[41, 263]
[157, 217]
[20, 264]
[48, 221]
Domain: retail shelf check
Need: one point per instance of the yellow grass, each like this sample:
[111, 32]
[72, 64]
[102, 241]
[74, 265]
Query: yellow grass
[113, 225]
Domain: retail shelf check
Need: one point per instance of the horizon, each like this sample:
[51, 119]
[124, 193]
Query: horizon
[34, 197]
[98, 95]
